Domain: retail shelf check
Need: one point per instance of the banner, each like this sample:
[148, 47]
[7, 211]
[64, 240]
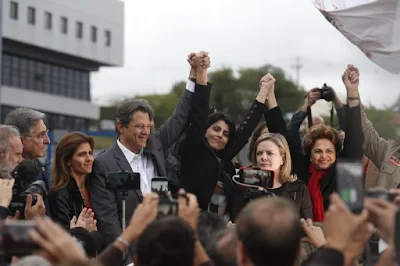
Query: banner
[371, 25]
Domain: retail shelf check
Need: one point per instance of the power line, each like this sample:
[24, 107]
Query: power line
[297, 66]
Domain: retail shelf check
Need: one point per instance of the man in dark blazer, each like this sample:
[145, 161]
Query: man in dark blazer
[147, 158]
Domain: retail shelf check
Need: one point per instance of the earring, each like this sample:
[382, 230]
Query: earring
[68, 164]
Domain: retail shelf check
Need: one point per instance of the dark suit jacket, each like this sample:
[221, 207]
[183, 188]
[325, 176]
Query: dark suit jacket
[200, 169]
[107, 203]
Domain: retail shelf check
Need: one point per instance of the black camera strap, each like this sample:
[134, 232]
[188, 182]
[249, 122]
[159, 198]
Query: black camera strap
[309, 117]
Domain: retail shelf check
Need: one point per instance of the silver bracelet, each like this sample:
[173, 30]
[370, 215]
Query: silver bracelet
[123, 241]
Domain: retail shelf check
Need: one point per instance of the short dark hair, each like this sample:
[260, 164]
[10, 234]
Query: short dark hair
[218, 116]
[318, 132]
[126, 110]
[167, 241]
[208, 225]
[270, 231]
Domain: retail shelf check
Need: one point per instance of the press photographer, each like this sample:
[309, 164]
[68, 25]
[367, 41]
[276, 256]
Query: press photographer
[303, 119]
[28, 191]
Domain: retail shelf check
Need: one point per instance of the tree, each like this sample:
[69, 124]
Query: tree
[381, 119]
[230, 94]
[235, 95]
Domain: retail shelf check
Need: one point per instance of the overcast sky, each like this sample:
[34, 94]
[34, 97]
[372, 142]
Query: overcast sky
[236, 33]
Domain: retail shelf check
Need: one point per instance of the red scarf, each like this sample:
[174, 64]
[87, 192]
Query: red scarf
[314, 188]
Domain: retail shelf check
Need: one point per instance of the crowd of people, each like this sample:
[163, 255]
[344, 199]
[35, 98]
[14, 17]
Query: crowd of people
[74, 217]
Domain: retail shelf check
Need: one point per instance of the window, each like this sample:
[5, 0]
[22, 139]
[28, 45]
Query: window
[64, 25]
[31, 15]
[107, 34]
[13, 10]
[35, 75]
[94, 33]
[79, 30]
[48, 20]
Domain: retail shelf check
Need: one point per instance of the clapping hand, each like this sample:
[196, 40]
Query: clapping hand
[85, 220]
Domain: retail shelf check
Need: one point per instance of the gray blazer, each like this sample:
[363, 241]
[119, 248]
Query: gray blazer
[107, 204]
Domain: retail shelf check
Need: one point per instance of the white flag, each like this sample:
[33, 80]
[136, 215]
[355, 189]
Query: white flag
[371, 25]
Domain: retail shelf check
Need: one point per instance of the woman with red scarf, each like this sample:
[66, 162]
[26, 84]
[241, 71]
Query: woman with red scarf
[322, 145]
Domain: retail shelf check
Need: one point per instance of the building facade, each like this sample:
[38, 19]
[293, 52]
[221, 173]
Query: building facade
[49, 49]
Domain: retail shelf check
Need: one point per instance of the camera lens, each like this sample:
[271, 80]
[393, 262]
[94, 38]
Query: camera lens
[37, 187]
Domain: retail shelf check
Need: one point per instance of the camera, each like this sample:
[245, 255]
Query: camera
[326, 93]
[123, 181]
[26, 176]
[379, 193]
[256, 177]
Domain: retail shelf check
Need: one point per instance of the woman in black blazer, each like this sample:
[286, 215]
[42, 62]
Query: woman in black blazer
[211, 143]
[73, 162]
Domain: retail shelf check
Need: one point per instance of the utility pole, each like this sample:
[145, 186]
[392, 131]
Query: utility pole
[297, 66]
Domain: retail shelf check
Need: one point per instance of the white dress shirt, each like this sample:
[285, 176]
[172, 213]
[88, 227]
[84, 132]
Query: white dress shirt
[142, 164]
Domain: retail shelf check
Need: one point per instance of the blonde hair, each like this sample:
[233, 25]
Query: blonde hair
[280, 141]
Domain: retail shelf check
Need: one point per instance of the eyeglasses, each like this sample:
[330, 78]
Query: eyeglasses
[41, 136]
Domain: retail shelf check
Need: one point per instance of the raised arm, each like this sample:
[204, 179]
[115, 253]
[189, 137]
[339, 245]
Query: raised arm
[175, 124]
[276, 124]
[251, 119]
[352, 147]
[301, 114]
[198, 118]
[374, 147]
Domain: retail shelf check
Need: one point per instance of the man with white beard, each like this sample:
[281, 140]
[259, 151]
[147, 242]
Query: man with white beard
[10, 150]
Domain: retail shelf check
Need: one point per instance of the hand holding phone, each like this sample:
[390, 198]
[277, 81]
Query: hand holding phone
[15, 239]
[350, 183]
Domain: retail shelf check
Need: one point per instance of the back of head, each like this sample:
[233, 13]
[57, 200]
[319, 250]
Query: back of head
[209, 224]
[166, 241]
[24, 119]
[269, 230]
[222, 248]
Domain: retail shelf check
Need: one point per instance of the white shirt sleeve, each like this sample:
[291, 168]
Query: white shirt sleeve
[190, 85]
